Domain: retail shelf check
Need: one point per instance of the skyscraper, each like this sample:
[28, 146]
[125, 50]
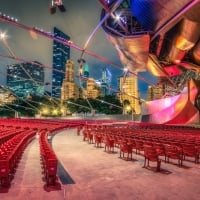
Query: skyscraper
[105, 81]
[61, 53]
[69, 87]
[92, 89]
[85, 75]
[6, 96]
[25, 79]
[130, 94]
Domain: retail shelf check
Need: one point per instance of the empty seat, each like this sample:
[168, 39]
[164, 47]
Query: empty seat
[98, 140]
[150, 154]
[109, 144]
[190, 151]
[126, 149]
[173, 152]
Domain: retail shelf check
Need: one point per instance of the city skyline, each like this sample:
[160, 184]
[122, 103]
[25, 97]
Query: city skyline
[75, 22]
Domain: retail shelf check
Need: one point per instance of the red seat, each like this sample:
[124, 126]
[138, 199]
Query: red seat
[126, 148]
[139, 146]
[190, 151]
[150, 154]
[159, 147]
[109, 144]
[51, 171]
[98, 139]
[4, 172]
[173, 152]
[90, 137]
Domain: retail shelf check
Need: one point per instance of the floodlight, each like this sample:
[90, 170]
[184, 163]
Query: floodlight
[61, 8]
[52, 9]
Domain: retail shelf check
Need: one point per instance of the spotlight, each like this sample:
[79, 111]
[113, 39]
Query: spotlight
[81, 60]
[61, 8]
[52, 9]
[56, 3]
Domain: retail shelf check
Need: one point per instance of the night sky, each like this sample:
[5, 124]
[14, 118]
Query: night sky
[78, 22]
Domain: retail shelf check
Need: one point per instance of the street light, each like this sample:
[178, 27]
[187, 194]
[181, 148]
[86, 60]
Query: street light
[130, 109]
[2, 36]
[55, 112]
[45, 111]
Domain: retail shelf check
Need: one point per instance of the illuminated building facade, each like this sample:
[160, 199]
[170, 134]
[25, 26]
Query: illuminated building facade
[26, 79]
[105, 81]
[6, 96]
[84, 73]
[61, 53]
[69, 87]
[92, 89]
[129, 88]
[155, 92]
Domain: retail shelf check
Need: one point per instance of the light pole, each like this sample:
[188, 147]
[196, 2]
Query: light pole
[130, 110]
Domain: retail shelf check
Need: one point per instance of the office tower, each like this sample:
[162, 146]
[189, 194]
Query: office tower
[155, 92]
[92, 89]
[61, 53]
[84, 75]
[69, 87]
[6, 96]
[105, 81]
[129, 93]
[26, 79]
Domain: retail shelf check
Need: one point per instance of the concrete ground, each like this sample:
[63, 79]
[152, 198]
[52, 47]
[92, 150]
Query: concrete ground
[98, 175]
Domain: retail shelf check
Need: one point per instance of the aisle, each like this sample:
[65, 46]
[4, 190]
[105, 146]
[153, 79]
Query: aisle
[28, 181]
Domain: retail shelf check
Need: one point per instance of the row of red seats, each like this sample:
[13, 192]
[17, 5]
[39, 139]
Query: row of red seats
[12, 131]
[127, 141]
[7, 135]
[49, 159]
[10, 153]
[51, 124]
[153, 135]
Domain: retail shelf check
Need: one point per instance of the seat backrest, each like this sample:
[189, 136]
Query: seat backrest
[150, 152]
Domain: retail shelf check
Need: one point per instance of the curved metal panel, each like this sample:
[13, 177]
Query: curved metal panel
[173, 70]
[185, 115]
[196, 52]
[175, 54]
[154, 66]
[180, 109]
[190, 66]
[151, 107]
[189, 31]
[154, 14]
[194, 14]
[133, 51]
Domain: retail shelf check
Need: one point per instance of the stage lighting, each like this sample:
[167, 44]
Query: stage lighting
[61, 8]
[52, 9]
[57, 3]
[81, 60]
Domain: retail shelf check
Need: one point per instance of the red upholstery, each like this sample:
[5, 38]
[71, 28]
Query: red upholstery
[10, 152]
[98, 139]
[109, 144]
[173, 152]
[48, 158]
[126, 148]
[150, 154]
[189, 150]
